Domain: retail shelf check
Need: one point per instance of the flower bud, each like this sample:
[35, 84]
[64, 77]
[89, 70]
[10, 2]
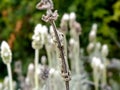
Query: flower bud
[98, 46]
[104, 50]
[38, 37]
[31, 67]
[65, 17]
[36, 45]
[72, 41]
[72, 16]
[92, 35]
[90, 47]
[96, 62]
[94, 26]
[31, 70]
[38, 29]
[6, 53]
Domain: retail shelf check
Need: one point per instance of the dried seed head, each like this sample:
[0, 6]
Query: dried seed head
[45, 5]
[6, 53]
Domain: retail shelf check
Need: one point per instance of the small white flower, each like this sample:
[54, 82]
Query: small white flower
[65, 17]
[6, 53]
[72, 16]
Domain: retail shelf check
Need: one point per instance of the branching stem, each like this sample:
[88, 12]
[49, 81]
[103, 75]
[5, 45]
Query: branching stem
[64, 65]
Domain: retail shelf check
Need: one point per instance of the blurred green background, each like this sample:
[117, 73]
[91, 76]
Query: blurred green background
[19, 17]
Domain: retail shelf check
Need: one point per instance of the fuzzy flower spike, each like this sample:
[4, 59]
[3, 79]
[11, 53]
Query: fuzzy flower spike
[6, 53]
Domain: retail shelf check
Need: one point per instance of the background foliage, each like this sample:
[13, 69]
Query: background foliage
[19, 17]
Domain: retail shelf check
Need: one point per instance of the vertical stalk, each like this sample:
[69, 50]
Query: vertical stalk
[36, 68]
[10, 76]
[96, 79]
[104, 73]
[49, 56]
[64, 66]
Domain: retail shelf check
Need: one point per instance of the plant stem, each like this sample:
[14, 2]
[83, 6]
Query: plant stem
[96, 78]
[104, 72]
[10, 76]
[64, 66]
[36, 68]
